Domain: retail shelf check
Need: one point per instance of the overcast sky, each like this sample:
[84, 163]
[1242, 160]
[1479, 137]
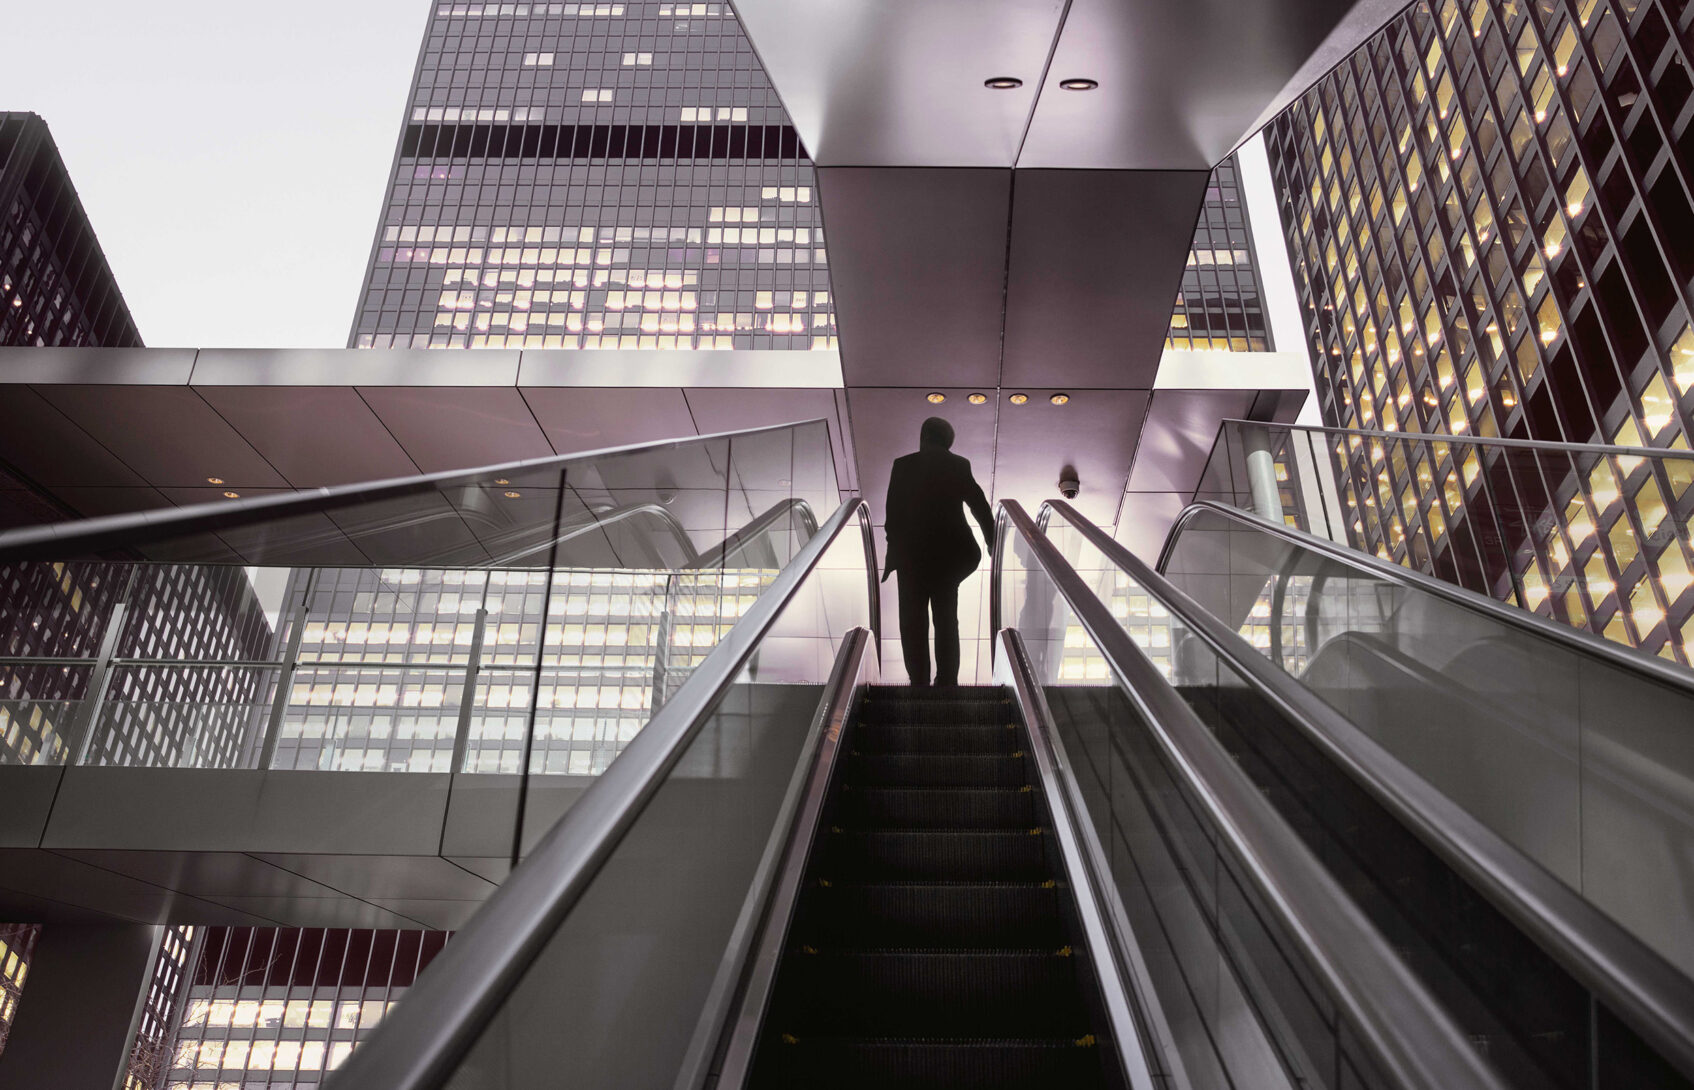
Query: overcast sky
[232, 155]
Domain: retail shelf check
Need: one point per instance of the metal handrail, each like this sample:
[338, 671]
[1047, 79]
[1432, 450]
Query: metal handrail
[1406, 1032]
[1582, 642]
[1650, 994]
[57, 540]
[1475, 440]
[1131, 1005]
[728, 1034]
[718, 554]
[423, 1039]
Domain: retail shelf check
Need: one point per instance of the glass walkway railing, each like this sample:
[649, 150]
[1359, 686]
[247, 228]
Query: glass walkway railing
[520, 618]
[1595, 537]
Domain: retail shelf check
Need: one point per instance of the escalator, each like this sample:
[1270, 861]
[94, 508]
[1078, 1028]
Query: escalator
[934, 943]
[1110, 869]
[1194, 835]
[1550, 990]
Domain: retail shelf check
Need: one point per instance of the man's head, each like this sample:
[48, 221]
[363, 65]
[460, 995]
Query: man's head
[936, 433]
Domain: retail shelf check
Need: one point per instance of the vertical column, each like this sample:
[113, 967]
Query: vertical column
[77, 1018]
[1261, 473]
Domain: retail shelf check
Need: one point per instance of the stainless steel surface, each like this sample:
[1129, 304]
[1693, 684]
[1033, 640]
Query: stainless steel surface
[61, 540]
[879, 83]
[1137, 1023]
[731, 1022]
[446, 1012]
[943, 326]
[112, 430]
[1654, 998]
[1624, 658]
[1398, 1022]
[1093, 266]
[1494, 441]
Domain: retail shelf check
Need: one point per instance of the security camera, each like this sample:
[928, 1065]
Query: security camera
[1069, 486]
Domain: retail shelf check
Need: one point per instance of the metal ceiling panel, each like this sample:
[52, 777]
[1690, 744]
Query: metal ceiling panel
[1181, 84]
[166, 433]
[313, 435]
[1095, 433]
[48, 447]
[456, 427]
[1181, 427]
[93, 502]
[917, 264]
[577, 418]
[718, 409]
[900, 82]
[1096, 263]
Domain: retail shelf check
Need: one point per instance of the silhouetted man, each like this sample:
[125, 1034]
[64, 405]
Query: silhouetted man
[930, 545]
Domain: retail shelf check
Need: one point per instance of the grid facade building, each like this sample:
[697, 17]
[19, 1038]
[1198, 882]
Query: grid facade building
[1486, 208]
[280, 1008]
[1221, 305]
[55, 285]
[595, 175]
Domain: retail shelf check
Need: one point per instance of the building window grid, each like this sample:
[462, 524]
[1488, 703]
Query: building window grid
[760, 302]
[17, 943]
[1220, 306]
[1354, 407]
[282, 1007]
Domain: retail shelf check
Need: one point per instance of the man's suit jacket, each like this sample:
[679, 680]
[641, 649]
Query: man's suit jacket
[928, 537]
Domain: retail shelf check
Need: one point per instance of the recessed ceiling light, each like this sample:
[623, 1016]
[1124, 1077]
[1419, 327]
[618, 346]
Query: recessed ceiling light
[232, 495]
[1059, 399]
[512, 495]
[214, 480]
[1003, 83]
[936, 399]
[1079, 84]
[501, 480]
[1018, 399]
[977, 399]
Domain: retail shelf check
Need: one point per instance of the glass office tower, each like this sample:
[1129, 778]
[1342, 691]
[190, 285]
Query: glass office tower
[594, 175]
[1487, 209]
[55, 285]
[1221, 305]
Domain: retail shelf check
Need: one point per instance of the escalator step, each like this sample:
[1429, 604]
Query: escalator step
[936, 738]
[890, 915]
[929, 993]
[937, 856]
[937, 807]
[936, 770]
[832, 1063]
[958, 711]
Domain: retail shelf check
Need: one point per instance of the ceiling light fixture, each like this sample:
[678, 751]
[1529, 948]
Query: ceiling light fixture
[1003, 83]
[214, 480]
[1059, 399]
[232, 495]
[936, 398]
[1018, 399]
[977, 399]
[513, 495]
[501, 480]
[1079, 84]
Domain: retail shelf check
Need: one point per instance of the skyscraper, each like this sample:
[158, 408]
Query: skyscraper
[595, 175]
[1487, 209]
[55, 285]
[1221, 306]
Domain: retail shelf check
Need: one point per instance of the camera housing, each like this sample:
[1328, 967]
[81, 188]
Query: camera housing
[1069, 484]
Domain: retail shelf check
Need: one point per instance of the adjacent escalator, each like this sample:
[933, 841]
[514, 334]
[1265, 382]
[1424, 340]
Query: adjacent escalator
[1546, 986]
[934, 944]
